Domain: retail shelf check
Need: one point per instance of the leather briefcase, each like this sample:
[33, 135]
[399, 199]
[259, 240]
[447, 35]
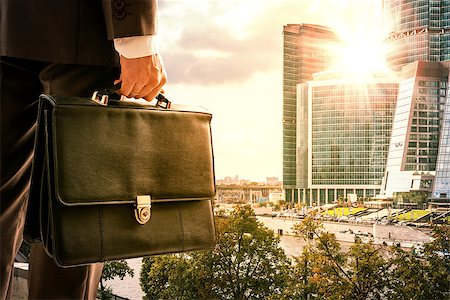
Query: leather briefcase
[120, 180]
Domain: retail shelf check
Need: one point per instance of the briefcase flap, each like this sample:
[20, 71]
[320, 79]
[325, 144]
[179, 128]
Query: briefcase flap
[113, 154]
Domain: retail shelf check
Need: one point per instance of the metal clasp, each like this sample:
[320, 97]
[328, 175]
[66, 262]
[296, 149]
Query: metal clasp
[162, 102]
[100, 98]
[143, 211]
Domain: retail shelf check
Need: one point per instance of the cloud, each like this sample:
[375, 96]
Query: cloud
[226, 55]
[216, 42]
[205, 52]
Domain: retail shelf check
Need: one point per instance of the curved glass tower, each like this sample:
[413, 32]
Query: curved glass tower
[419, 45]
[420, 31]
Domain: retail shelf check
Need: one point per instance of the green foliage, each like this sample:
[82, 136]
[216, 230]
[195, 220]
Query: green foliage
[368, 271]
[105, 293]
[412, 215]
[247, 263]
[282, 203]
[116, 268]
[418, 197]
[169, 277]
[298, 284]
[426, 277]
[111, 270]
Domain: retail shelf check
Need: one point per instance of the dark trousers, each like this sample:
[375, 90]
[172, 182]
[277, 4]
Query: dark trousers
[21, 82]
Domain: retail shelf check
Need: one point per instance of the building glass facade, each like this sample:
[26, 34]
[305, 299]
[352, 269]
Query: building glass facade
[422, 146]
[305, 51]
[419, 130]
[419, 47]
[349, 131]
[420, 31]
[442, 181]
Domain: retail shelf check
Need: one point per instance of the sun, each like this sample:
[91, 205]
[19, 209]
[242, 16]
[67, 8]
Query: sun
[361, 33]
[360, 54]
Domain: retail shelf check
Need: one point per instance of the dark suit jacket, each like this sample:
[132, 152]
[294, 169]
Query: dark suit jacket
[72, 31]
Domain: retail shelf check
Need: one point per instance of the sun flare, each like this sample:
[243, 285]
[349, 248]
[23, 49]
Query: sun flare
[360, 54]
[360, 50]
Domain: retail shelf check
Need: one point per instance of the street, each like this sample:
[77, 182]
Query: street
[346, 232]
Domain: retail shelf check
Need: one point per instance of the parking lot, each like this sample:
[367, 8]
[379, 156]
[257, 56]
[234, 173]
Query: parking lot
[346, 232]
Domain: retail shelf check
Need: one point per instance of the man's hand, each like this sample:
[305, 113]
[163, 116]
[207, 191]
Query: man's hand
[141, 77]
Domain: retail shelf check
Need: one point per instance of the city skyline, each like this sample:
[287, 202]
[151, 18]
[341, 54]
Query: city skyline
[345, 146]
[227, 57]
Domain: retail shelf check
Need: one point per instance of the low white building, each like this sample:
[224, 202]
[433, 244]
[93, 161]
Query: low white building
[275, 197]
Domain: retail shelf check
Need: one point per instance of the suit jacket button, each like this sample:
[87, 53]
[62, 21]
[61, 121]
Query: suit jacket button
[119, 4]
[120, 14]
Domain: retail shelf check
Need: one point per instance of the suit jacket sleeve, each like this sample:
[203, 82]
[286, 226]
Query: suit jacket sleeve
[125, 18]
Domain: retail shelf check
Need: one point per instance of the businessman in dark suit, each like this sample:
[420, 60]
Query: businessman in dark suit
[64, 47]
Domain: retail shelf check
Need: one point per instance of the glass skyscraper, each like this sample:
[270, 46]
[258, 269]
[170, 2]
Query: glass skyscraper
[349, 129]
[414, 145]
[420, 31]
[442, 182]
[419, 40]
[305, 51]
[370, 137]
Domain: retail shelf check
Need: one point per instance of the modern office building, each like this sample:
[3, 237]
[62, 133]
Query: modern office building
[419, 155]
[370, 137]
[441, 187]
[419, 150]
[419, 31]
[306, 50]
[347, 136]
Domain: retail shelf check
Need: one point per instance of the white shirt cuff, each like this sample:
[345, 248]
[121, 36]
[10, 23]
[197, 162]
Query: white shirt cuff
[136, 46]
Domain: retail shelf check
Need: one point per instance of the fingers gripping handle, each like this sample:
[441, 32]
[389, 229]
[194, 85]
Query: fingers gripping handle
[102, 97]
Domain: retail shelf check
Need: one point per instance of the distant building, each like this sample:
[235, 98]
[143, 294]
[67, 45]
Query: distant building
[347, 135]
[245, 193]
[244, 181]
[305, 51]
[419, 31]
[276, 197]
[236, 181]
[272, 181]
[228, 180]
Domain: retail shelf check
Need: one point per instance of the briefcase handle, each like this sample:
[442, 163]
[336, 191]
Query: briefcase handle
[103, 96]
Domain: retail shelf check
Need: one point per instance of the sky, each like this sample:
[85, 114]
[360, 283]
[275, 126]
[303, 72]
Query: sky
[227, 56]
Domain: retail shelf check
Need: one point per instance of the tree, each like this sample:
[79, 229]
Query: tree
[427, 276]
[325, 270]
[282, 203]
[418, 197]
[298, 283]
[369, 271]
[247, 263]
[111, 270]
[169, 277]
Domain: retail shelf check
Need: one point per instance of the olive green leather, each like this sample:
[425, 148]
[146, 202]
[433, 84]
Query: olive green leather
[92, 162]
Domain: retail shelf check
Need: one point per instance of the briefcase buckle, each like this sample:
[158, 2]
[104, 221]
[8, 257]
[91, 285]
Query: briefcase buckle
[100, 98]
[143, 210]
[162, 102]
